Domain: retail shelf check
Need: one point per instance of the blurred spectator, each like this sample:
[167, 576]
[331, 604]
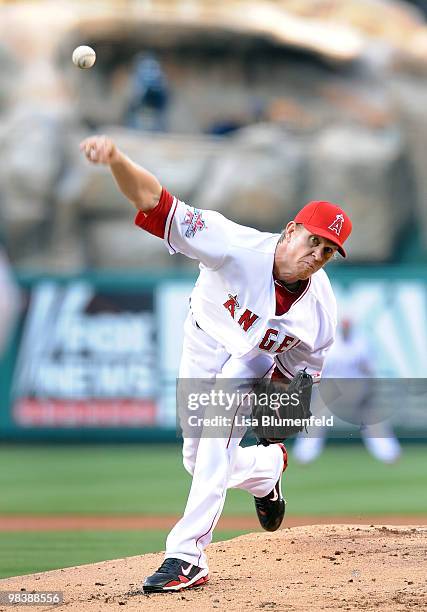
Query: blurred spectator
[351, 357]
[149, 100]
[9, 300]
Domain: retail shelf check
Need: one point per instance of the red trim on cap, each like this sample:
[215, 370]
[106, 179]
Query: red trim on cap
[155, 220]
[327, 220]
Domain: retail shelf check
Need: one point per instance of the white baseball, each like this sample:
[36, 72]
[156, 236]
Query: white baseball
[84, 56]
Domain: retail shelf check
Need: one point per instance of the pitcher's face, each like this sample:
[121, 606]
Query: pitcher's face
[301, 253]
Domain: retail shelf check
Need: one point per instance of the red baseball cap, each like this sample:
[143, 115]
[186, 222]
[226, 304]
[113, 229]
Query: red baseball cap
[327, 220]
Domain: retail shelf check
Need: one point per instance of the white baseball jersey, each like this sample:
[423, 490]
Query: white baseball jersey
[236, 299]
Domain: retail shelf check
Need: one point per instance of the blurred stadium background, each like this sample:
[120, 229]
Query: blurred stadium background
[249, 108]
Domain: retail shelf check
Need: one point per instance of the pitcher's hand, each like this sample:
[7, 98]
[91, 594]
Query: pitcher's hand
[99, 150]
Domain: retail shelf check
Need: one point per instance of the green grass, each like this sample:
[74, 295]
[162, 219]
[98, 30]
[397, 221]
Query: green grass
[151, 480]
[29, 552]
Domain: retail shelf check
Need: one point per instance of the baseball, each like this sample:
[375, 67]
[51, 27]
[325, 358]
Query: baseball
[84, 57]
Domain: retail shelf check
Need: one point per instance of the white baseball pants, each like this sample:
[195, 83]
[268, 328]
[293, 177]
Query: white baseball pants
[217, 463]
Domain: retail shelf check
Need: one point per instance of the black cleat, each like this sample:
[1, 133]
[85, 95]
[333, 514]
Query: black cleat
[271, 508]
[175, 575]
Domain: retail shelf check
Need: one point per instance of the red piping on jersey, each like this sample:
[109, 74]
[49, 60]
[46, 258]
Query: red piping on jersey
[170, 225]
[209, 530]
[228, 442]
[285, 299]
[283, 370]
[154, 221]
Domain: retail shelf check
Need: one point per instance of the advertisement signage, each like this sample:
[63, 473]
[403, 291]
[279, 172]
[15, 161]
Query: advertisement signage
[87, 358]
[98, 357]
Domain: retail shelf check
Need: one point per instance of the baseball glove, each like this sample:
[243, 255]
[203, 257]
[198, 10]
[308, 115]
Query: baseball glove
[281, 410]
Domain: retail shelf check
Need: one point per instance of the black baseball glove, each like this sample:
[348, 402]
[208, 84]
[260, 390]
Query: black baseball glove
[280, 410]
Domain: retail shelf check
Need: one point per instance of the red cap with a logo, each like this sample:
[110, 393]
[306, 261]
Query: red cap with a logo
[327, 220]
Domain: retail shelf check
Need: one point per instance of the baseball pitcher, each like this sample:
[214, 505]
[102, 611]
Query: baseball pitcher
[262, 308]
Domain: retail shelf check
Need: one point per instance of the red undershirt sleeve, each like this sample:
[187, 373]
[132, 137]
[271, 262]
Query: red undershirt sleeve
[154, 221]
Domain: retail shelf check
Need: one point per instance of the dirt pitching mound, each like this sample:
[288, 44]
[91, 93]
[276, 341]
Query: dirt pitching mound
[315, 567]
